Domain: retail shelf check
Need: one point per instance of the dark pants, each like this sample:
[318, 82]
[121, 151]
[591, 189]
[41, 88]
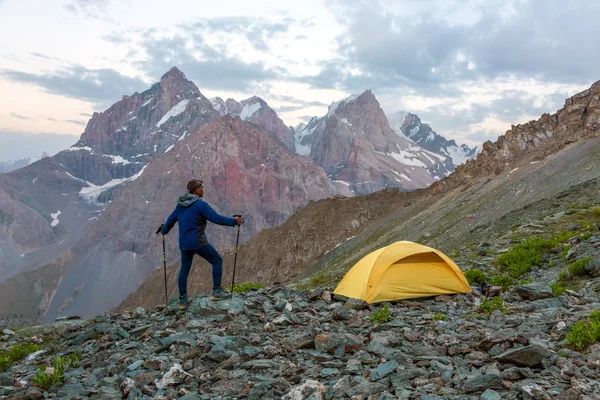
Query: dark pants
[210, 254]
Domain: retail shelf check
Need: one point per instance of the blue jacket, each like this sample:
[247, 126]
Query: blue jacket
[192, 213]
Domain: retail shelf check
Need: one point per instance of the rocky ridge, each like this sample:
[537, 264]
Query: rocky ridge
[256, 111]
[281, 343]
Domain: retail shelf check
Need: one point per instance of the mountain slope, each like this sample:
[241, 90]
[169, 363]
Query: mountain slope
[114, 148]
[256, 111]
[410, 126]
[244, 172]
[357, 148]
[534, 168]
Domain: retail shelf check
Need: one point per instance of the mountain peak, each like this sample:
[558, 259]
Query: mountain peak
[173, 73]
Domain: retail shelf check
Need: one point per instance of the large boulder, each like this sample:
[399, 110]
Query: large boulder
[535, 291]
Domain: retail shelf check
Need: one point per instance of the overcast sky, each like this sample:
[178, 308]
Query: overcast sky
[469, 68]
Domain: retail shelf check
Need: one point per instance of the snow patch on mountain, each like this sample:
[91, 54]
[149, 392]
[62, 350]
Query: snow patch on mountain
[176, 110]
[55, 220]
[92, 192]
[336, 104]
[460, 154]
[249, 110]
[117, 159]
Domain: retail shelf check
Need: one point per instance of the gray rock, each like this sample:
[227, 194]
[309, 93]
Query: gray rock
[479, 383]
[356, 304]
[527, 356]
[8, 332]
[72, 388]
[593, 268]
[403, 378]
[328, 372]
[33, 393]
[329, 342]
[135, 365]
[140, 330]
[490, 394]
[259, 365]
[534, 291]
[383, 370]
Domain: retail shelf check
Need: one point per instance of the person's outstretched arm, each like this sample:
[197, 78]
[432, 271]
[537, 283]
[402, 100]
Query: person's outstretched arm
[170, 221]
[214, 217]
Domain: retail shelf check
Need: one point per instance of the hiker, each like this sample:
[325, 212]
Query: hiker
[192, 213]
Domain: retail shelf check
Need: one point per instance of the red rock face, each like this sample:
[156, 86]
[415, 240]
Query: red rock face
[357, 148]
[256, 111]
[245, 172]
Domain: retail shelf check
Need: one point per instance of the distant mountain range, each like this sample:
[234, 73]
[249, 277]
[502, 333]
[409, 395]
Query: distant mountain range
[79, 225]
[18, 146]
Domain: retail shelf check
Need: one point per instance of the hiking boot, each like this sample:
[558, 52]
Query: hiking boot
[220, 294]
[184, 302]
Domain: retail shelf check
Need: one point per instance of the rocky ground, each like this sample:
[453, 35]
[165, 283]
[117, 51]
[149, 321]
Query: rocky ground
[281, 343]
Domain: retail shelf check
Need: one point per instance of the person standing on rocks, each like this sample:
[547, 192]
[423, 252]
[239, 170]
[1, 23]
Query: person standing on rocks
[192, 214]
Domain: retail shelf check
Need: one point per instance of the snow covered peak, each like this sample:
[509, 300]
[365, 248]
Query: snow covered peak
[336, 104]
[396, 121]
[219, 105]
[299, 127]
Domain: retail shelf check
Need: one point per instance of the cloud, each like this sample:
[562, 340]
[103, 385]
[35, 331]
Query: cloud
[98, 85]
[72, 121]
[483, 136]
[207, 66]
[20, 116]
[86, 115]
[294, 100]
[51, 119]
[283, 109]
[539, 39]
[258, 31]
[93, 9]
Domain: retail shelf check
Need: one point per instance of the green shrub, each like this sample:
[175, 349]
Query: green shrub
[495, 303]
[246, 287]
[558, 288]
[595, 316]
[75, 356]
[563, 276]
[521, 257]
[381, 316]
[502, 280]
[578, 267]
[475, 276]
[562, 237]
[16, 353]
[583, 334]
[42, 379]
[319, 279]
[440, 317]
[59, 369]
[596, 211]
[586, 235]
[566, 250]
[552, 263]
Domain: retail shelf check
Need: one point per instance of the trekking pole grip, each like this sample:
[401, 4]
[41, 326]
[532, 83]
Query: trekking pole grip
[159, 229]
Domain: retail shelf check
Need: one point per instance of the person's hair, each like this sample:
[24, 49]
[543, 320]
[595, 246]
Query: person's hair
[193, 185]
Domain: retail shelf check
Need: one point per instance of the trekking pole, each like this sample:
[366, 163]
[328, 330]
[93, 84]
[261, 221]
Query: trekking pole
[164, 262]
[236, 253]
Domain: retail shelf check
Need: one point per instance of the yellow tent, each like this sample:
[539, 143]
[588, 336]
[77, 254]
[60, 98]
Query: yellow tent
[402, 270]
